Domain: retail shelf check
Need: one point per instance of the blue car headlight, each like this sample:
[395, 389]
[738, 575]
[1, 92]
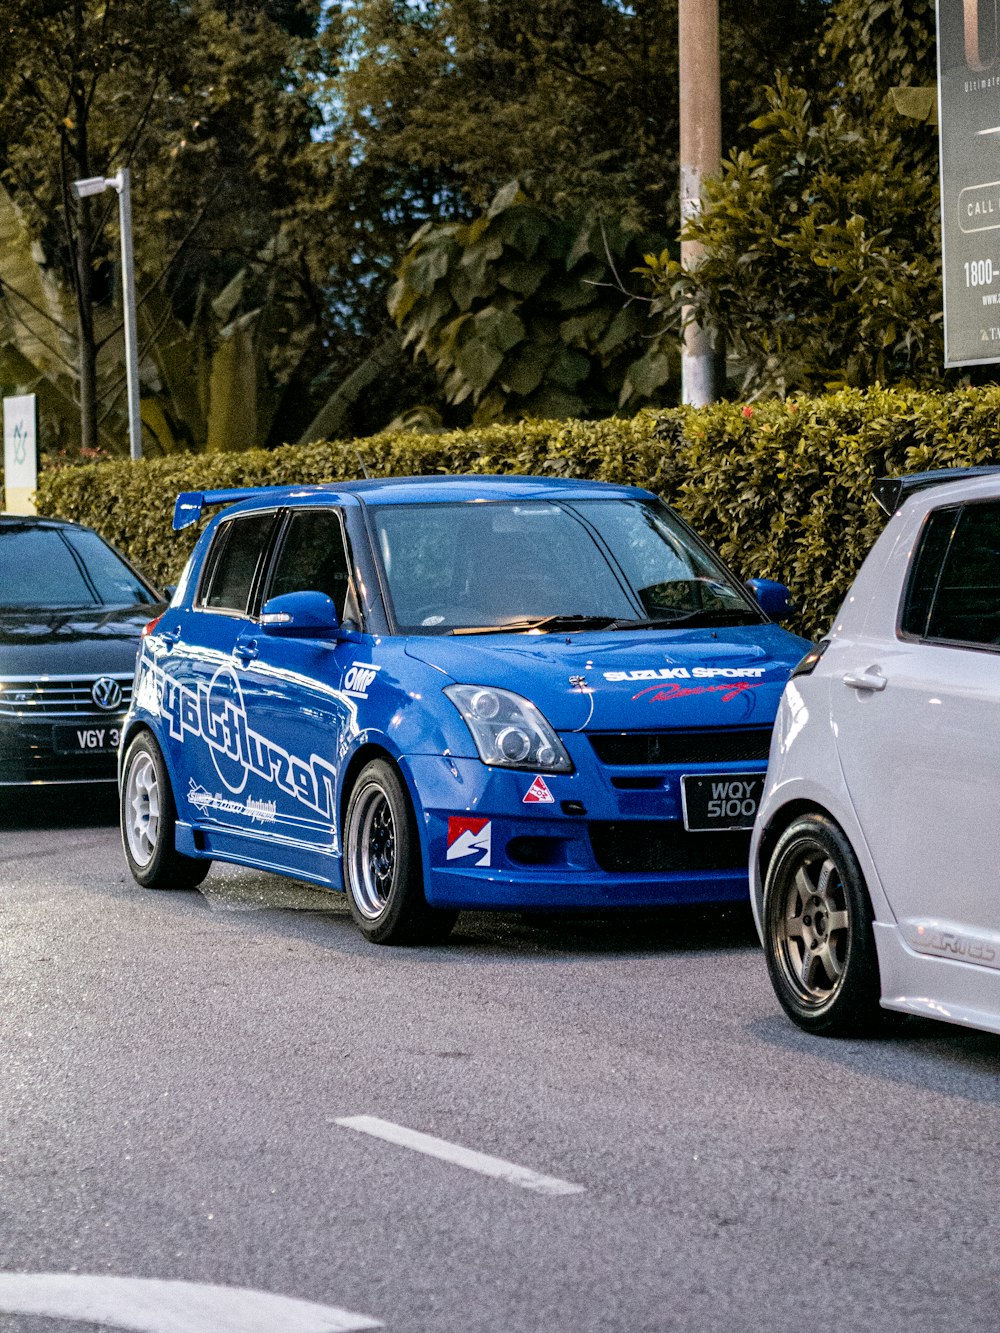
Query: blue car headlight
[509, 731]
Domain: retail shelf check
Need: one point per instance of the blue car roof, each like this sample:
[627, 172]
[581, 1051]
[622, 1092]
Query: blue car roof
[406, 490]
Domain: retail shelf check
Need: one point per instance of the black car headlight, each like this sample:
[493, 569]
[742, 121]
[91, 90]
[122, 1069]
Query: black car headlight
[509, 731]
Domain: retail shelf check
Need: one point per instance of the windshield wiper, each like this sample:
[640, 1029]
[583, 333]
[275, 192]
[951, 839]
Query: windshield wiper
[688, 619]
[576, 622]
[570, 622]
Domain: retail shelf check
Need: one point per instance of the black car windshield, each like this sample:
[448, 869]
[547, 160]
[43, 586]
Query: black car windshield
[63, 567]
[586, 564]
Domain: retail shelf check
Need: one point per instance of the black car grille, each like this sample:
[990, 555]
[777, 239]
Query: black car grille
[645, 846]
[726, 745]
[58, 696]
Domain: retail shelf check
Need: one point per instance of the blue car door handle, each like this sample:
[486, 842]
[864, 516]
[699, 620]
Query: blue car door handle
[245, 650]
[170, 636]
[872, 679]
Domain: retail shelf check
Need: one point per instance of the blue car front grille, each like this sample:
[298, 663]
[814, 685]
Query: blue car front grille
[648, 846]
[724, 745]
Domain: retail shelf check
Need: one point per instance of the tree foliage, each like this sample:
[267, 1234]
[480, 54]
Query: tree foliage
[576, 99]
[523, 312]
[216, 106]
[448, 100]
[283, 151]
[822, 239]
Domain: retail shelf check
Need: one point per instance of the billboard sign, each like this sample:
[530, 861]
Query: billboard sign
[969, 140]
[20, 454]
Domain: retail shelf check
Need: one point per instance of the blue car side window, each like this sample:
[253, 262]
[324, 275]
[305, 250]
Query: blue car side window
[241, 544]
[313, 558]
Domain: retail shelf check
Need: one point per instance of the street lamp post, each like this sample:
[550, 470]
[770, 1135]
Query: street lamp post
[120, 183]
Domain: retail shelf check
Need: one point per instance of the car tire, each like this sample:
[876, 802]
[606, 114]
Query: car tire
[818, 936]
[149, 822]
[383, 874]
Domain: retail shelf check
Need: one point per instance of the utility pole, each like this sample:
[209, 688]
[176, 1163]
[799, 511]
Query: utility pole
[83, 190]
[702, 365]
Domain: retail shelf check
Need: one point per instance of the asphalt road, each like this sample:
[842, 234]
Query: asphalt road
[175, 1065]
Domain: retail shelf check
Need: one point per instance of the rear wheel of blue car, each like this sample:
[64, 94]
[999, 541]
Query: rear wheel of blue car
[819, 941]
[149, 822]
[382, 868]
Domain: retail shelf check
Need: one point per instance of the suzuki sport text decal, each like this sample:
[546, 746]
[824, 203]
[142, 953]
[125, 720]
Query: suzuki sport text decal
[469, 837]
[737, 681]
[217, 716]
[688, 673]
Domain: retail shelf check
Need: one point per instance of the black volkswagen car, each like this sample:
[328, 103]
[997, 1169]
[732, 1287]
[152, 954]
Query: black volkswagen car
[71, 613]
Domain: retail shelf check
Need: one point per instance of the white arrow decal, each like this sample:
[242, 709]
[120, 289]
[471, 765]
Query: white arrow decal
[147, 1305]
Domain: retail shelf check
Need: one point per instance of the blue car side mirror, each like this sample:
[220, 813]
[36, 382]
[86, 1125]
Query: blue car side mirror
[773, 598]
[301, 615]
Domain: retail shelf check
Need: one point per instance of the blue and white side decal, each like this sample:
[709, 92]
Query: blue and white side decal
[217, 716]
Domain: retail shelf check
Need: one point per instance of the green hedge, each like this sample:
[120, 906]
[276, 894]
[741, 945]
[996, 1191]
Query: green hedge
[781, 489]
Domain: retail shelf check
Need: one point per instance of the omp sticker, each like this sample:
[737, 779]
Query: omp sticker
[469, 837]
[358, 679]
[538, 793]
[217, 716]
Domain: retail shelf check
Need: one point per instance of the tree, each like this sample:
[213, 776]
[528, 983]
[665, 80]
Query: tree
[823, 264]
[576, 99]
[448, 100]
[283, 151]
[522, 313]
[218, 106]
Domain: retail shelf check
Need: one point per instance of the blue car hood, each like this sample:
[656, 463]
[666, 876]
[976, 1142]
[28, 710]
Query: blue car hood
[629, 680]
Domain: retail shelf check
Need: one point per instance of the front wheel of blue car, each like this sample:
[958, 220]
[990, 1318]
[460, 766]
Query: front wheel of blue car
[382, 869]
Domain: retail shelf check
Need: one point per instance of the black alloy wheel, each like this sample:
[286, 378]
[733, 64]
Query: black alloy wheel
[383, 875]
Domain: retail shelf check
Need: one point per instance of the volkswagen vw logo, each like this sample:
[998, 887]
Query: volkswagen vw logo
[106, 693]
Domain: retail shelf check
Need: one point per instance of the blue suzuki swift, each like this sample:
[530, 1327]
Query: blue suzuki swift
[441, 693]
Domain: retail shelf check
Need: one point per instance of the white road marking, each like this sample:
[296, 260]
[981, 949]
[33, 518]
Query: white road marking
[150, 1306]
[459, 1156]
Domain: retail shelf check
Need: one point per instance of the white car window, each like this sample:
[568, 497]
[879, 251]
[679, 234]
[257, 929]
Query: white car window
[954, 592]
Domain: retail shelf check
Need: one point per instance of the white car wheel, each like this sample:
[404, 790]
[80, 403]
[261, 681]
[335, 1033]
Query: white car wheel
[818, 935]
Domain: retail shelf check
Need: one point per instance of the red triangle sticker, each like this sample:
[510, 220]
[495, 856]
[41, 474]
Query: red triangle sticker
[538, 793]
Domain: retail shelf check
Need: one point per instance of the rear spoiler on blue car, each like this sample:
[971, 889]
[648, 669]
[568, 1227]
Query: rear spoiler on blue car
[189, 505]
[890, 492]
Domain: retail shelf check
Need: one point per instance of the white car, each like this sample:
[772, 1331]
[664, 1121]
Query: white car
[875, 860]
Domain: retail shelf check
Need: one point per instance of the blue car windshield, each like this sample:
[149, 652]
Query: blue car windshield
[452, 568]
[63, 567]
